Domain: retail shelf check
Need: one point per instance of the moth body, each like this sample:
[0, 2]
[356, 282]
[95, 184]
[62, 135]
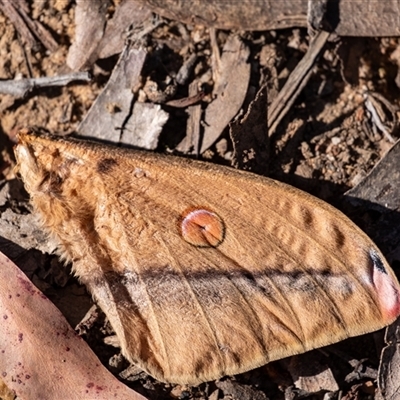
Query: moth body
[202, 270]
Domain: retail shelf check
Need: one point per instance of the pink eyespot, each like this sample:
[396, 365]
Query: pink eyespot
[202, 228]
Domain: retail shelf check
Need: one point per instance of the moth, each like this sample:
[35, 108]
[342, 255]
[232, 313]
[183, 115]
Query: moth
[203, 270]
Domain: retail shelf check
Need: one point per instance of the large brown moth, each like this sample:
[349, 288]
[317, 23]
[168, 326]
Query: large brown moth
[203, 270]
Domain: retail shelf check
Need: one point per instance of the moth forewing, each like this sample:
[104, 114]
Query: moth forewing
[203, 270]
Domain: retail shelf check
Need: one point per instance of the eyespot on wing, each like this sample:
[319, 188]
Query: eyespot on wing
[201, 227]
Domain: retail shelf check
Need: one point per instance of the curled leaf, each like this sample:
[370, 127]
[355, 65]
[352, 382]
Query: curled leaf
[41, 356]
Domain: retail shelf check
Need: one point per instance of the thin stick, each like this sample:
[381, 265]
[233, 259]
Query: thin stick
[19, 88]
[295, 83]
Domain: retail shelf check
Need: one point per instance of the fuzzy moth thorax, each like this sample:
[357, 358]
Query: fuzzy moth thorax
[27, 167]
[57, 192]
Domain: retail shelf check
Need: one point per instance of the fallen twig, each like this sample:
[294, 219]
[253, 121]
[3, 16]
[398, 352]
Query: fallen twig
[12, 14]
[19, 88]
[30, 30]
[295, 83]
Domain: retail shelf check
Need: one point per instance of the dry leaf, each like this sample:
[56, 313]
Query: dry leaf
[232, 80]
[128, 13]
[41, 355]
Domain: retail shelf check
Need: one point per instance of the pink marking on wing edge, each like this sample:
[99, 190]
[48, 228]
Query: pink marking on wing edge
[387, 289]
[389, 295]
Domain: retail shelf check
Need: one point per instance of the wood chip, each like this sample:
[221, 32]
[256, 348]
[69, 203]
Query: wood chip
[90, 20]
[389, 368]
[314, 376]
[235, 390]
[112, 107]
[144, 126]
[190, 143]
[382, 185]
[128, 13]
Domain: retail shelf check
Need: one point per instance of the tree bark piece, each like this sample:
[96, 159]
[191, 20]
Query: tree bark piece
[249, 136]
[190, 143]
[90, 21]
[389, 368]
[346, 17]
[113, 106]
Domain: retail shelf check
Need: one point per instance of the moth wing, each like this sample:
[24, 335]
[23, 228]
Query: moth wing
[289, 274]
